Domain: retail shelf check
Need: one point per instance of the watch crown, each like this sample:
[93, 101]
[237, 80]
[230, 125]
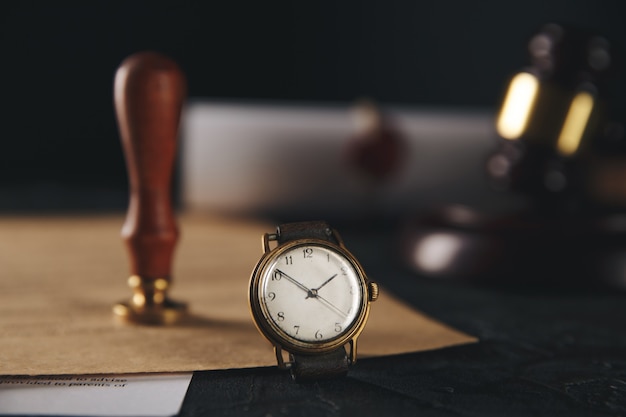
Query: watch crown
[373, 291]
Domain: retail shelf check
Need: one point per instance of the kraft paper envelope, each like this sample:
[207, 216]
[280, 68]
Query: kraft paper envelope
[60, 277]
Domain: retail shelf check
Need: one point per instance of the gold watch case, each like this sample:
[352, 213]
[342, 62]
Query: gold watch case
[281, 340]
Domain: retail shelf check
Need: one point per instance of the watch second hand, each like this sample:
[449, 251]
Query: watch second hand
[331, 306]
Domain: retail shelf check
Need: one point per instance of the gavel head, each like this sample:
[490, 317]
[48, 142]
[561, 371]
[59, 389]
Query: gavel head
[557, 113]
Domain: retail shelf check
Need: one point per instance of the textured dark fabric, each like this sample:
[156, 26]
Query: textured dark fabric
[315, 367]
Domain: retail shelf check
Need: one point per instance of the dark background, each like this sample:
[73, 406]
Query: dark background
[60, 143]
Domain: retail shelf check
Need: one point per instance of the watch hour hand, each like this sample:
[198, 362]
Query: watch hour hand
[312, 293]
[325, 282]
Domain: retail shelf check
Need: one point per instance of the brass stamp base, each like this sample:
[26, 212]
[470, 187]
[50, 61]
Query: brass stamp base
[149, 304]
[168, 312]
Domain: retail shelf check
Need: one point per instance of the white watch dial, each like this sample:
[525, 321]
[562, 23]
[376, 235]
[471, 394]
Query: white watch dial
[311, 293]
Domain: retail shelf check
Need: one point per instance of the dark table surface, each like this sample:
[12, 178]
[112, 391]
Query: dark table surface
[543, 351]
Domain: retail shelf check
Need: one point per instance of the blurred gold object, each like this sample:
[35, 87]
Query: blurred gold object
[518, 106]
[575, 124]
[149, 304]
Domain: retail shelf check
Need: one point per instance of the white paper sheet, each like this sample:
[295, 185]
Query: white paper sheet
[240, 142]
[154, 395]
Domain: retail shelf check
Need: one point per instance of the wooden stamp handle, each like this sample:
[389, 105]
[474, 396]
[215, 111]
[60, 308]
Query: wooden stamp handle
[149, 93]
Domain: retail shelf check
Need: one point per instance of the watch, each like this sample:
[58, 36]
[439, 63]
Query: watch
[310, 297]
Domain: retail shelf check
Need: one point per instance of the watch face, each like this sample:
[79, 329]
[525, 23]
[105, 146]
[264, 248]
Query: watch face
[311, 294]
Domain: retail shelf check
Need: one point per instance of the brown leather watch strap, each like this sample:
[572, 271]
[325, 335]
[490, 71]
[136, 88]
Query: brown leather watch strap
[323, 366]
[317, 366]
[306, 230]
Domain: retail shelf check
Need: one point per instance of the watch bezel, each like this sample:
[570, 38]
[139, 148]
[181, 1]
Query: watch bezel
[280, 338]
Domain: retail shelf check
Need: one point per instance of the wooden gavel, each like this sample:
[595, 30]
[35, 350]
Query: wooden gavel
[149, 90]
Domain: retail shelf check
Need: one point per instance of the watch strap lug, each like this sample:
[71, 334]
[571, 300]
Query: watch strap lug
[267, 238]
[279, 358]
[352, 357]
